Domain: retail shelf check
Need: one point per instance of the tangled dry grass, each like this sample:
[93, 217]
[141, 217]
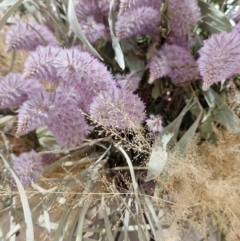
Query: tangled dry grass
[202, 188]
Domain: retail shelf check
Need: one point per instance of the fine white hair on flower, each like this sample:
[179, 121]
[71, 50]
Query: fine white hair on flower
[154, 123]
[118, 108]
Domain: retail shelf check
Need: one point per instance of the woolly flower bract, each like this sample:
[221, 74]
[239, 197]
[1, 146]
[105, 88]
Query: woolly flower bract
[219, 58]
[118, 108]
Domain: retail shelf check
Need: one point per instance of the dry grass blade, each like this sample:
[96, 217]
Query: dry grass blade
[24, 201]
[9, 13]
[106, 221]
[77, 30]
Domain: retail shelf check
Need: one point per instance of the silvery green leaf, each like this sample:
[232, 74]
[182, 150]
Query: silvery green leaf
[134, 63]
[189, 134]
[222, 113]
[8, 3]
[77, 29]
[24, 202]
[158, 157]
[115, 43]
[213, 20]
[156, 90]
[174, 126]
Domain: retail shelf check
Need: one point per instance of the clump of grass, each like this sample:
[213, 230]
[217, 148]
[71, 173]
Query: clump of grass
[202, 188]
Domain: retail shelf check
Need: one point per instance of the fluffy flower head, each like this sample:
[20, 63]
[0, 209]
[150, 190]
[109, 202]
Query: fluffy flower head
[28, 166]
[39, 64]
[219, 58]
[36, 112]
[14, 90]
[137, 21]
[129, 81]
[186, 14]
[118, 108]
[27, 36]
[173, 61]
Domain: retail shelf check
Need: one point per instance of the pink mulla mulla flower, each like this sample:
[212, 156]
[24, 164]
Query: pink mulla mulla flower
[27, 36]
[219, 58]
[85, 69]
[138, 21]
[154, 123]
[28, 167]
[75, 93]
[118, 108]
[186, 15]
[39, 64]
[94, 30]
[72, 63]
[124, 5]
[14, 90]
[173, 61]
[35, 112]
[68, 125]
[92, 16]
[129, 81]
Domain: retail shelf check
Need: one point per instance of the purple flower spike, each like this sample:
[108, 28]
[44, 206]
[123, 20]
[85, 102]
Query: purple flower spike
[158, 67]
[27, 36]
[131, 4]
[28, 167]
[118, 108]
[186, 15]
[173, 61]
[72, 63]
[219, 58]
[137, 21]
[85, 69]
[36, 112]
[154, 123]
[39, 64]
[68, 125]
[129, 81]
[94, 30]
[14, 90]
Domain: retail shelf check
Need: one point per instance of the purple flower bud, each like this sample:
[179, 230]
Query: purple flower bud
[219, 58]
[36, 112]
[14, 90]
[28, 167]
[93, 29]
[27, 36]
[137, 21]
[186, 15]
[39, 64]
[68, 125]
[129, 81]
[173, 61]
[118, 108]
